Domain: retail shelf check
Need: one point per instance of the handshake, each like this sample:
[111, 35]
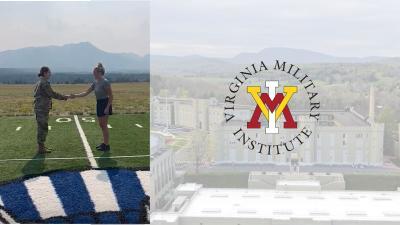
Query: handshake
[71, 96]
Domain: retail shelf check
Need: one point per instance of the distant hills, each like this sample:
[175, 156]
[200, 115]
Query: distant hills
[299, 56]
[81, 57]
[77, 57]
[198, 65]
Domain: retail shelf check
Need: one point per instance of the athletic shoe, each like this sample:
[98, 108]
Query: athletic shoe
[104, 148]
[101, 146]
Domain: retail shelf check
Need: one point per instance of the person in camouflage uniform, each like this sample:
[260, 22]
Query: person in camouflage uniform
[43, 95]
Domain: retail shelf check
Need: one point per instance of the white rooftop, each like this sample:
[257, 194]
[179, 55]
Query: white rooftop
[274, 204]
[299, 185]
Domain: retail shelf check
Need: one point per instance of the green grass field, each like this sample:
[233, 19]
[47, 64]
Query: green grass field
[126, 139]
[129, 98]
[18, 148]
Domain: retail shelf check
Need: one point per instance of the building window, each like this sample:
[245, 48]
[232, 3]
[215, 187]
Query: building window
[344, 140]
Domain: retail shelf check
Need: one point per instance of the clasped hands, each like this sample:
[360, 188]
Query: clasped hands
[71, 96]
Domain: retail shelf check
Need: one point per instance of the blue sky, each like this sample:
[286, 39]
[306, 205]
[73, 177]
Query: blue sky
[228, 27]
[111, 26]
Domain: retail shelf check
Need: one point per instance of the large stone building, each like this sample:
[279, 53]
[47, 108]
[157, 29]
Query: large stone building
[181, 112]
[291, 198]
[162, 172]
[341, 137]
[397, 143]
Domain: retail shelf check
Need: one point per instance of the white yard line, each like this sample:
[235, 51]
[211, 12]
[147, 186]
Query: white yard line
[83, 157]
[138, 125]
[49, 127]
[109, 126]
[18, 128]
[85, 142]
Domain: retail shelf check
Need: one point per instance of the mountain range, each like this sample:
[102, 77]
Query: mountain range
[76, 57]
[81, 57]
[199, 65]
[299, 56]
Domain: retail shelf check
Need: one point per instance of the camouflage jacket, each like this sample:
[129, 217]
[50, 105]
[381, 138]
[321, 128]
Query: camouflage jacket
[43, 94]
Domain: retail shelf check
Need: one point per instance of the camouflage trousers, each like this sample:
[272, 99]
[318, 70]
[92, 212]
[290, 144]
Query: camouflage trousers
[42, 120]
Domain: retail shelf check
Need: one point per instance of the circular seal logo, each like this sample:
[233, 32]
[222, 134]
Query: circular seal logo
[259, 105]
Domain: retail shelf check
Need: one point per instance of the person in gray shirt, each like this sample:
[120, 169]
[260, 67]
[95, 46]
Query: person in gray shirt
[102, 89]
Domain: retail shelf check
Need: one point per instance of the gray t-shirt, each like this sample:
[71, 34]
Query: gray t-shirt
[99, 88]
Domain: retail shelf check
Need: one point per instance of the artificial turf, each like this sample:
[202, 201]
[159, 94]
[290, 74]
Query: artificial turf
[126, 139]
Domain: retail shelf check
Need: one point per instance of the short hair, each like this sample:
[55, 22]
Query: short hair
[43, 70]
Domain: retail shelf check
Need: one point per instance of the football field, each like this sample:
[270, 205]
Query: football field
[73, 140]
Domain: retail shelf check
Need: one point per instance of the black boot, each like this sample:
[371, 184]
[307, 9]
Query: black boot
[100, 146]
[42, 149]
[107, 148]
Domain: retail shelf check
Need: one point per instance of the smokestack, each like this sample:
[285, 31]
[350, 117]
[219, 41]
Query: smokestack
[371, 115]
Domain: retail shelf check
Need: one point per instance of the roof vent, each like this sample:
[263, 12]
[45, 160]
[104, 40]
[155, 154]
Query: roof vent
[382, 199]
[282, 212]
[219, 196]
[348, 198]
[356, 213]
[247, 211]
[316, 197]
[251, 196]
[209, 210]
[392, 213]
[319, 213]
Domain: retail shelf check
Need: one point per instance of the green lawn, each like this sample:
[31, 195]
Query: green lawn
[219, 180]
[354, 181]
[126, 139]
[372, 182]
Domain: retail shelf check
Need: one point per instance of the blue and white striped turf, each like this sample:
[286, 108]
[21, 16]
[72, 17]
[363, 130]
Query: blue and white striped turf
[91, 196]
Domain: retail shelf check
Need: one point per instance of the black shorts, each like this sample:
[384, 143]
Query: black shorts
[101, 106]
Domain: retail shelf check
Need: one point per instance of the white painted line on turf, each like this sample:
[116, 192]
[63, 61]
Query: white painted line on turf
[138, 125]
[88, 119]
[100, 190]
[63, 120]
[83, 157]
[18, 128]
[44, 197]
[85, 142]
[49, 127]
[109, 126]
[7, 217]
